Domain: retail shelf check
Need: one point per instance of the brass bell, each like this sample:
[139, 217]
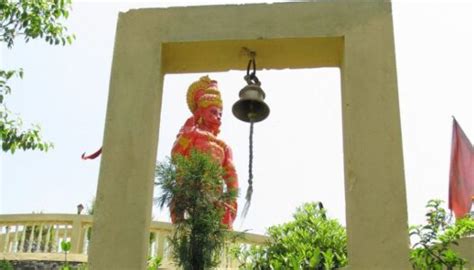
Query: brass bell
[251, 107]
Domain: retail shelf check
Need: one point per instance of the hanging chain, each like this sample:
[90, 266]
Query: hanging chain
[250, 78]
[248, 196]
[251, 157]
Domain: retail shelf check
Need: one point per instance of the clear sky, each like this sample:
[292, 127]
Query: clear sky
[298, 149]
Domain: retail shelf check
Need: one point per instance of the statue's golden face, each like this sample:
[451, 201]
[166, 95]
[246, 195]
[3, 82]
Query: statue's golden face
[212, 115]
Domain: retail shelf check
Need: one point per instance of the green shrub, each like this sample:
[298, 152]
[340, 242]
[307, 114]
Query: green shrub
[153, 263]
[433, 250]
[5, 265]
[310, 241]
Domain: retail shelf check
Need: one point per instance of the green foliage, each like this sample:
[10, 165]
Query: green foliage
[5, 265]
[310, 241]
[435, 239]
[6, 75]
[39, 19]
[34, 19]
[65, 247]
[13, 136]
[82, 266]
[193, 186]
[153, 263]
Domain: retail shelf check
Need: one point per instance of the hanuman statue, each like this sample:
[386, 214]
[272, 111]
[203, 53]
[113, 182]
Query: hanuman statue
[200, 133]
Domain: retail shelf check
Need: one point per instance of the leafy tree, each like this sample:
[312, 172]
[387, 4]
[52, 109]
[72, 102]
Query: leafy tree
[433, 249]
[38, 19]
[193, 185]
[310, 241]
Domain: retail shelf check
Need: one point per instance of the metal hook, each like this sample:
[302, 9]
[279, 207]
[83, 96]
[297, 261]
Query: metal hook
[251, 78]
[251, 62]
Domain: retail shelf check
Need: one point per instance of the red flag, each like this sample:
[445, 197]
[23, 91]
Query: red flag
[93, 155]
[461, 175]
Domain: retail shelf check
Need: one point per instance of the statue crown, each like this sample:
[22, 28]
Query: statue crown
[203, 93]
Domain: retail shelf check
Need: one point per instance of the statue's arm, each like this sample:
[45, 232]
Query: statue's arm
[230, 176]
[230, 179]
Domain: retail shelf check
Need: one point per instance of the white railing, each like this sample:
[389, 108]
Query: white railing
[39, 237]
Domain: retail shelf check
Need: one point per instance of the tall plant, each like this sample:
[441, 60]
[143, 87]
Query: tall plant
[434, 241]
[193, 186]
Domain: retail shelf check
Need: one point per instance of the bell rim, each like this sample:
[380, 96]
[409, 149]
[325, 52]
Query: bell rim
[245, 118]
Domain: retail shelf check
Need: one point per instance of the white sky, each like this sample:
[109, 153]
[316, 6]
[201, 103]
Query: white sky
[298, 149]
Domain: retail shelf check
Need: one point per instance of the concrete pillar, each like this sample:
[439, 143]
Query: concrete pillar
[124, 194]
[466, 250]
[376, 215]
